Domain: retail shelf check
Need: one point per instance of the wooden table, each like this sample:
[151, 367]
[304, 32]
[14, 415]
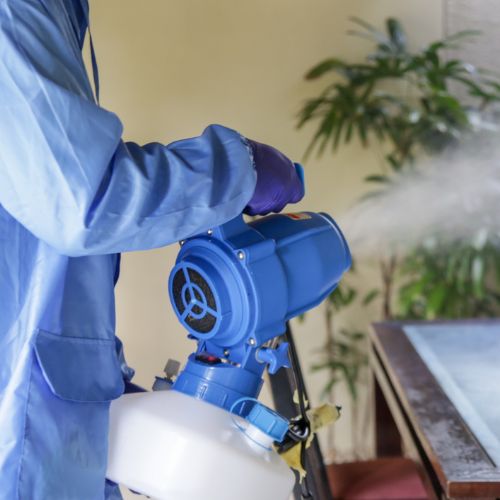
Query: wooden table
[434, 414]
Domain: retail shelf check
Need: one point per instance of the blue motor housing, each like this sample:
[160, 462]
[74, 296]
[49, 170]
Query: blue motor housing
[235, 287]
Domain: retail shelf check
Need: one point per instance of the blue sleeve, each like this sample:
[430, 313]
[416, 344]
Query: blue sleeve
[65, 172]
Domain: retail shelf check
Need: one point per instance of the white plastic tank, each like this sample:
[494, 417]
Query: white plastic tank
[171, 446]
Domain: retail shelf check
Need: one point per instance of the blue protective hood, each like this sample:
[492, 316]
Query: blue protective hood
[80, 11]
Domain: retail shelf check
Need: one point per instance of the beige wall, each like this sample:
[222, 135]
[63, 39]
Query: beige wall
[170, 67]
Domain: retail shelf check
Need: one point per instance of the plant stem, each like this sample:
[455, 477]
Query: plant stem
[354, 428]
[388, 270]
[330, 346]
[368, 414]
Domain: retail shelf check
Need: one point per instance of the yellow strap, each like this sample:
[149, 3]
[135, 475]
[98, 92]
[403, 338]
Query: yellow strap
[318, 418]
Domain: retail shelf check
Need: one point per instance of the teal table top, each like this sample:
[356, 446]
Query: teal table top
[465, 361]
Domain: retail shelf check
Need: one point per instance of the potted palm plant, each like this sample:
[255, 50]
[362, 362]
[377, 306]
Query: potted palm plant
[409, 103]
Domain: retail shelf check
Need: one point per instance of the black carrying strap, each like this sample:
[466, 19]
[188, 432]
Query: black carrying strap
[283, 385]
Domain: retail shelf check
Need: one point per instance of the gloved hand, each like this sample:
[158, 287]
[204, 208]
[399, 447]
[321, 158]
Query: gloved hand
[279, 181]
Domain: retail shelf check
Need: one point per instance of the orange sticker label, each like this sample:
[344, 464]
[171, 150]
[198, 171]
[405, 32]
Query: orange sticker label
[298, 216]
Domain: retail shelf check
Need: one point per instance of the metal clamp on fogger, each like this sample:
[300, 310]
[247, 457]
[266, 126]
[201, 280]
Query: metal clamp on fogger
[233, 289]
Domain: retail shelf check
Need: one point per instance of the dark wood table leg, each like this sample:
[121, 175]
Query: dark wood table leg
[387, 437]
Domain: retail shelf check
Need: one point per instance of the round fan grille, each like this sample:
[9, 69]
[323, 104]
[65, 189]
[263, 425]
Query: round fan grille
[194, 300]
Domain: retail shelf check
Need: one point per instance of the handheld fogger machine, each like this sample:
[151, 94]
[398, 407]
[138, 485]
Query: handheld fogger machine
[233, 289]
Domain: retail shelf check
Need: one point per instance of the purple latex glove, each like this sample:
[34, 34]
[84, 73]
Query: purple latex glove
[279, 181]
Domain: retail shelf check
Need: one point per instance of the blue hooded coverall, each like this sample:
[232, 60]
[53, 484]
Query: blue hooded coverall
[72, 196]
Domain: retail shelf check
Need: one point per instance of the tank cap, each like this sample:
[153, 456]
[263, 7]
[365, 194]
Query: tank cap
[268, 421]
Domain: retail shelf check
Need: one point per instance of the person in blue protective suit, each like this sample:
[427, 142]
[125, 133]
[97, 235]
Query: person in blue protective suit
[72, 196]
